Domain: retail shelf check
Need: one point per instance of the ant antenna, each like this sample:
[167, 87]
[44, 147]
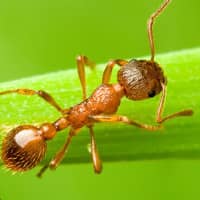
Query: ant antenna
[150, 26]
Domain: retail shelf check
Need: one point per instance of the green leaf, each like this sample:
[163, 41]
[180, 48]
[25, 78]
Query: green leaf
[179, 139]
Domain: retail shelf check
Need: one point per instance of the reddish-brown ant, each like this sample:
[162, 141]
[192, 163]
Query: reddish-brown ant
[25, 146]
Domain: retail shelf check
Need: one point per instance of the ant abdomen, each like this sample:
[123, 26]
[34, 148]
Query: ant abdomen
[141, 79]
[23, 148]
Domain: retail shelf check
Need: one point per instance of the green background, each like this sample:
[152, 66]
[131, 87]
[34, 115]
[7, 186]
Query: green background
[42, 36]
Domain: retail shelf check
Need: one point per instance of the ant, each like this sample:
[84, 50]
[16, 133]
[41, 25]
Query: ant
[25, 146]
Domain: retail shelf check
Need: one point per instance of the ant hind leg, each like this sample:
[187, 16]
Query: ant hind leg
[59, 155]
[44, 95]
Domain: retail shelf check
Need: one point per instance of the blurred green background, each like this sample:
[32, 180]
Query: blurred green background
[43, 36]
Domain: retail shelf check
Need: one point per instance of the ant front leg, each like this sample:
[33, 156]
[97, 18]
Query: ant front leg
[123, 119]
[108, 70]
[97, 164]
[159, 117]
[81, 62]
[44, 95]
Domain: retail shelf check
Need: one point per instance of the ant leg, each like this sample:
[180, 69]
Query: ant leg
[159, 118]
[81, 62]
[108, 70]
[44, 95]
[97, 164]
[59, 155]
[124, 119]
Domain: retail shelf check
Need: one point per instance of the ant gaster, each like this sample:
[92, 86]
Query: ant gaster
[25, 146]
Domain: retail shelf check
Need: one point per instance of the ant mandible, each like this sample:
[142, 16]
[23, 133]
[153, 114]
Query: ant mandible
[25, 146]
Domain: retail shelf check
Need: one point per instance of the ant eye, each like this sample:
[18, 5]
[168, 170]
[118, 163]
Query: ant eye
[152, 93]
[23, 148]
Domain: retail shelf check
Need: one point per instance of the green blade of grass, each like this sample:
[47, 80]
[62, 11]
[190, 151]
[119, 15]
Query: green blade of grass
[179, 139]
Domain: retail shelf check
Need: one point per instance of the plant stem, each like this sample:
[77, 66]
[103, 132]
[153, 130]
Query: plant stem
[179, 139]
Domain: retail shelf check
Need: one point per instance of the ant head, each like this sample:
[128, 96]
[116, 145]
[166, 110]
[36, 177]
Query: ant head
[141, 79]
[24, 147]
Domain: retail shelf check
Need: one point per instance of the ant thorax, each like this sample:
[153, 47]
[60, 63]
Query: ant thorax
[141, 79]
